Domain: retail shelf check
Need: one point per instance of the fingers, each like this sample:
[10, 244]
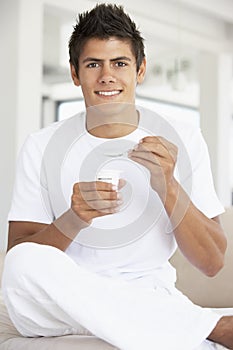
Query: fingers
[90, 199]
[94, 199]
[148, 160]
[144, 155]
[97, 195]
[94, 186]
[156, 146]
[85, 204]
[159, 157]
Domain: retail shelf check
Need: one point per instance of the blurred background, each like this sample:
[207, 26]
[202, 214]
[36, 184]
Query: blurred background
[189, 47]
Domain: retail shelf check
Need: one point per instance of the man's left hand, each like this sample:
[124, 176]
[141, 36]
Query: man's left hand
[159, 156]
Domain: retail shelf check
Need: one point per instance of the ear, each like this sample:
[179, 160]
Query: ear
[74, 75]
[141, 72]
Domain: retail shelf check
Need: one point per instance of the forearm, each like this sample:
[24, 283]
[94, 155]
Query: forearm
[59, 234]
[89, 200]
[199, 238]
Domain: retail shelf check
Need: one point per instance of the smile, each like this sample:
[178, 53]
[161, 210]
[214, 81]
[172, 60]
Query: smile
[108, 93]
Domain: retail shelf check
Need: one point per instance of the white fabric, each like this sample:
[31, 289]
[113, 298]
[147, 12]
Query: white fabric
[47, 294]
[120, 312]
[145, 259]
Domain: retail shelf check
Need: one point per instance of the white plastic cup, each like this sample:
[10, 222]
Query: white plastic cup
[109, 175]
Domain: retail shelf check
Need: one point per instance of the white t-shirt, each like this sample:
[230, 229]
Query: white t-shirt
[136, 243]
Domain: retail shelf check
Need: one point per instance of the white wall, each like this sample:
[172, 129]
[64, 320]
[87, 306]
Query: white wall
[8, 93]
[216, 117]
[20, 88]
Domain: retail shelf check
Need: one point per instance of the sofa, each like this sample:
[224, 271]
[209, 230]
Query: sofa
[215, 292]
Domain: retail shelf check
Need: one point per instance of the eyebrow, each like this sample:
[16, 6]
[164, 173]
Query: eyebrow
[120, 58]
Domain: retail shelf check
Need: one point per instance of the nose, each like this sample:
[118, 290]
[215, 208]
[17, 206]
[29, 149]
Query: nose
[106, 75]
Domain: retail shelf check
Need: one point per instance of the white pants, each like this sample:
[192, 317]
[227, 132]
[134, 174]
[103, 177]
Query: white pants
[48, 294]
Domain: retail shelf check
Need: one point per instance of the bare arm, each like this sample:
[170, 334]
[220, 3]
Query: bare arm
[89, 200]
[200, 239]
[23, 231]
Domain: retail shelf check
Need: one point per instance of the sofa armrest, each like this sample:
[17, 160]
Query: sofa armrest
[208, 291]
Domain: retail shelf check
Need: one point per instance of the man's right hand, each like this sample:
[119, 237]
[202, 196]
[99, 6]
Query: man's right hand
[94, 199]
[89, 200]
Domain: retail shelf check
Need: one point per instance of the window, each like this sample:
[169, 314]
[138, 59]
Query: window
[68, 108]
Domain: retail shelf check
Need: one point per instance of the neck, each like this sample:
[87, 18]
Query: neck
[107, 122]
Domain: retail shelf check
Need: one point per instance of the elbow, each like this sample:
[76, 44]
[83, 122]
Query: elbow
[213, 269]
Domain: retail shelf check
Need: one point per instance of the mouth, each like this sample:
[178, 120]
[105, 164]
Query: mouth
[108, 93]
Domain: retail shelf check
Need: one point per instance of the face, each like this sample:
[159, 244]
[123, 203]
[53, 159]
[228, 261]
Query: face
[107, 72]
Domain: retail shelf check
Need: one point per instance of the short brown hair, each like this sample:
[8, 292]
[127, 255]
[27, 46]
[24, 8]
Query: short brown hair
[105, 21]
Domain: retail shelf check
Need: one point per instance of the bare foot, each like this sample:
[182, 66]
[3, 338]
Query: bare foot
[223, 332]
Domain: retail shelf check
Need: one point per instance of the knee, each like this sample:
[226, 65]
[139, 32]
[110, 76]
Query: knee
[22, 261]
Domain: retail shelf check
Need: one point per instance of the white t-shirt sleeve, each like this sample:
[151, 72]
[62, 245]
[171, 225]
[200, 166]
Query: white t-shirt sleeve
[30, 199]
[203, 194]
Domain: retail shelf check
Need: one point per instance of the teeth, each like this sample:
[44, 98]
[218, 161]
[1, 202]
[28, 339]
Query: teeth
[108, 93]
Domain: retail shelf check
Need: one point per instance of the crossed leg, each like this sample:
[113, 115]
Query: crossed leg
[48, 294]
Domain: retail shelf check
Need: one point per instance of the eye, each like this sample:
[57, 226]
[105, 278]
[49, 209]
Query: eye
[121, 64]
[93, 65]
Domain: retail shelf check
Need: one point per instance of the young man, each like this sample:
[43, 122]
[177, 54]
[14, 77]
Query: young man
[85, 256]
